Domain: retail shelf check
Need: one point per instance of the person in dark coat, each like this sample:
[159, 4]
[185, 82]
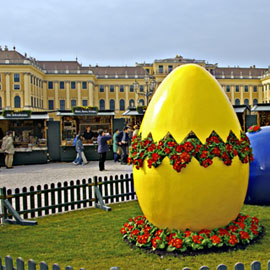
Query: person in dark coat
[122, 139]
[103, 147]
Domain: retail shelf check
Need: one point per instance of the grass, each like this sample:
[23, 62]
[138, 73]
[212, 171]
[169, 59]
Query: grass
[91, 239]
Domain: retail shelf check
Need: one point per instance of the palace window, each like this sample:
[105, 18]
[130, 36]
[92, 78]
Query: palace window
[122, 105]
[112, 104]
[255, 101]
[246, 102]
[254, 88]
[17, 102]
[121, 88]
[73, 85]
[170, 68]
[0, 103]
[111, 88]
[132, 103]
[237, 88]
[101, 88]
[85, 102]
[237, 101]
[246, 88]
[32, 102]
[50, 85]
[141, 88]
[73, 103]
[160, 69]
[16, 77]
[62, 104]
[84, 85]
[62, 85]
[141, 102]
[16, 87]
[131, 88]
[228, 89]
[51, 104]
[102, 104]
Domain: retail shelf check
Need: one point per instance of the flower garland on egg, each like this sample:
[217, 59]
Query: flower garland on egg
[181, 154]
[242, 231]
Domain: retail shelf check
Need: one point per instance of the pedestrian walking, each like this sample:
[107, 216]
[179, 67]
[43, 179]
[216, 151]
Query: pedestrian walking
[103, 148]
[135, 130]
[84, 160]
[122, 140]
[79, 150]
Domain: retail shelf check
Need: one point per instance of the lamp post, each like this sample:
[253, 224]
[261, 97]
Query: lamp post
[150, 84]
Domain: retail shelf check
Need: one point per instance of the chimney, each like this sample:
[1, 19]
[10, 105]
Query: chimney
[14, 48]
[6, 48]
[25, 55]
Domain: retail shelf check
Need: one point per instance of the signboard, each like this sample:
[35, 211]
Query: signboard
[16, 115]
[82, 110]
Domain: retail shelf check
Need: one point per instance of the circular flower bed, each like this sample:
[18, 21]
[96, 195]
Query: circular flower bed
[254, 128]
[240, 232]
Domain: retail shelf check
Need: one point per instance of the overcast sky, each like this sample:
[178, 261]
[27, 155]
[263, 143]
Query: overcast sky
[123, 32]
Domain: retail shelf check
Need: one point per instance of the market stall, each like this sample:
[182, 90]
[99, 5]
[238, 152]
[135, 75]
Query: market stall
[134, 116]
[243, 113]
[29, 135]
[263, 114]
[86, 122]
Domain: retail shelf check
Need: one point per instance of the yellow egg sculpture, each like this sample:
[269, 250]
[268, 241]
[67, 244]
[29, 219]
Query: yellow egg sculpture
[190, 99]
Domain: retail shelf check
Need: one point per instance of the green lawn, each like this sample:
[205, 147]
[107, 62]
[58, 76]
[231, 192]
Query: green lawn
[91, 239]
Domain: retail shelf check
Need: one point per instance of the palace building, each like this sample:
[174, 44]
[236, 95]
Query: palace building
[28, 83]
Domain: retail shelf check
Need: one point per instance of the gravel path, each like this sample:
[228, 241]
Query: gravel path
[40, 174]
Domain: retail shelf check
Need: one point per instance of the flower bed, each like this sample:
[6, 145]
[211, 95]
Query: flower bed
[181, 154]
[254, 128]
[238, 233]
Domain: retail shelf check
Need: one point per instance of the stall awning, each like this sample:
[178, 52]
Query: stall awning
[240, 108]
[261, 108]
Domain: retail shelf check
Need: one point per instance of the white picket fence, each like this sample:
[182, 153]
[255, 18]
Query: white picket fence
[255, 265]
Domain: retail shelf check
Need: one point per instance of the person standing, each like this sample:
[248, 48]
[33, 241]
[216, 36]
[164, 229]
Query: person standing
[135, 131]
[122, 140]
[103, 148]
[9, 150]
[116, 156]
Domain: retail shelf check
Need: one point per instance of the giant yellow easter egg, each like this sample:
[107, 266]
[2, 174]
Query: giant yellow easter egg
[190, 99]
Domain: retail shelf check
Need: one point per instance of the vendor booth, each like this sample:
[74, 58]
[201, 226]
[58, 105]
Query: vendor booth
[29, 135]
[263, 114]
[134, 116]
[244, 117]
[86, 122]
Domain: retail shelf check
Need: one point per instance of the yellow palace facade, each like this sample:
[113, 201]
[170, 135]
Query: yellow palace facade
[27, 83]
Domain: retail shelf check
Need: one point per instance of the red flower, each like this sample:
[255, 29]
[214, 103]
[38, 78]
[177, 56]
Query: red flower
[229, 147]
[188, 146]
[197, 239]
[216, 152]
[244, 235]
[233, 240]
[207, 232]
[179, 148]
[171, 144]
[223, 232]
[155, 157]
[215, 239]
[233, 228]
[198, 147]
[167, 150]
[154, 241]
[123, 231]
[177, 243]
[214, 139]
[158, 232]
[204, 154]
[184, 157]
[188, 233]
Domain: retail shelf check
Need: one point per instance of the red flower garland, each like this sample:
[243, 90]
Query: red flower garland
[181, 154]
[142, 233]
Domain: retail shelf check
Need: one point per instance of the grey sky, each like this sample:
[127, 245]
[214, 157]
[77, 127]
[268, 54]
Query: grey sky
[122, 32]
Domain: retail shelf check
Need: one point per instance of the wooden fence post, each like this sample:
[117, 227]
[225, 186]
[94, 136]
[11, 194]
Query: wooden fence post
[3, 209]
[20, 264]
[9, 263]
[43, 266]
[239, 266]
[255, 265]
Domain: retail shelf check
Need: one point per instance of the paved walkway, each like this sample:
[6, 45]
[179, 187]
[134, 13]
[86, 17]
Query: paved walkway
[40, 174]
